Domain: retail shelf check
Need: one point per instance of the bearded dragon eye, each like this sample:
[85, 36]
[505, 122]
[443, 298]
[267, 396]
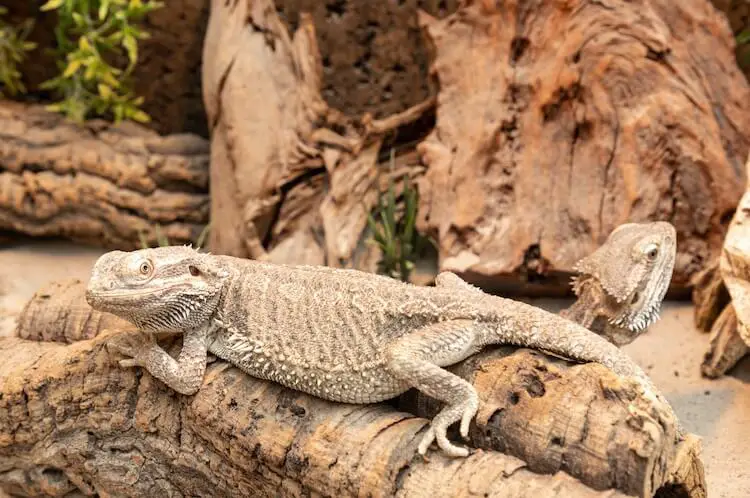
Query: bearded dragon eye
[145, 268]
[652, 251]
[194, 271]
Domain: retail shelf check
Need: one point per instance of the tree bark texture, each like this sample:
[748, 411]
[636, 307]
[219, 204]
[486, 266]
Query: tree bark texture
[99, 184]
[58, 312]
[578, 419]
[570, 118]
[70, 419]
[729, 322]
[550, 129]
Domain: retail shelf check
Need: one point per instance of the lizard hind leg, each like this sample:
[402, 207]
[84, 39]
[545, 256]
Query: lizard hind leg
[417, 358]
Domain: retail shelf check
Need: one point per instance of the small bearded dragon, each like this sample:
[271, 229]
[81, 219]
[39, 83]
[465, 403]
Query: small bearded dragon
[338, 334]
[621, 285]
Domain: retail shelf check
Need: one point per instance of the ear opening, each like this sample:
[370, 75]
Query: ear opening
[203, 266]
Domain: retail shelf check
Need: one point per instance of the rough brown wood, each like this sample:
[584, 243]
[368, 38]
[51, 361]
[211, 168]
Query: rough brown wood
[582, 420]
[631, 118]
[72, 419]
[295, 182]
[557, 121]
[726, 347]
[709, 296]
[730, 331]
[58, 312]
[99, 184]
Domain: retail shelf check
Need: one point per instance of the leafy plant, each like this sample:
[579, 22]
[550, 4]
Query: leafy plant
[91, 35]
[743, 48]
[393, 229]
[163, 241]
[13, 48]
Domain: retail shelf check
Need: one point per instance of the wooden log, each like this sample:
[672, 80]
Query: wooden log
[730, 332]
[579, 419]
[99, 184]
[608, 106]
[553, 128]
[295, 183]
[58, 312]
[73, 421]
[709, 296]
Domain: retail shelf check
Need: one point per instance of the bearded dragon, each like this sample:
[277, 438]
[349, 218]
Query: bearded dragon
[621, 285]
[339, 334]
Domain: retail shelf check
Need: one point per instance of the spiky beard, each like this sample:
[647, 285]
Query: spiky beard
[638, 321]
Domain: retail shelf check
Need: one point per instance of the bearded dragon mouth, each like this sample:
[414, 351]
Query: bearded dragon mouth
[103, 295]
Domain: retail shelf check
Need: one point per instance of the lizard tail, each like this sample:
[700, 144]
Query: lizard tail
[532, 327]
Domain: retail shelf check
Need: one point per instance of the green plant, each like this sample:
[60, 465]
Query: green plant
[163, 241]
[394, 230]
[92, 36]
[13, 48]
[743, 38]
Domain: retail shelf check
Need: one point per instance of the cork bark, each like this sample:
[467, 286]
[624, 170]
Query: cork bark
[581, 420]
[58, 312]
[71, 419]
[631, 123]
[569, 118]
[99, 184]
[722, 296]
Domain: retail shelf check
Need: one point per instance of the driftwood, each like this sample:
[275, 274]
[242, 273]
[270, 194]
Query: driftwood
[555, 108]
[70, 419]
[99, 184]
[582, 420]
[294, 183]
[722, 296]
[628, 118]
[58, 312]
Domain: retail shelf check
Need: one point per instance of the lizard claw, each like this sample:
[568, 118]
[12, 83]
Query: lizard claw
[446, 446]
[472, 406]
[426, 441]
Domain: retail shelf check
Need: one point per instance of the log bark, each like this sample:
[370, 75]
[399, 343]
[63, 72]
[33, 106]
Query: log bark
[608, 107]
[99, 184]
[578, 419]
[58, 312]
[71, 419]
[295, 183]
[730, 331]
[556, 107]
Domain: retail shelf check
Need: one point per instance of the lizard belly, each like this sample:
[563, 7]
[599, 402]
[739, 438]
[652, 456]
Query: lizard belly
[369, 383]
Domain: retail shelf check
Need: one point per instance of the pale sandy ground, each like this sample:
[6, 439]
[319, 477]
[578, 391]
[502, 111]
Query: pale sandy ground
[671, 352]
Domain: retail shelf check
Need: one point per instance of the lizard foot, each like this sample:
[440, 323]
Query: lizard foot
[132, 345]
[464, 412]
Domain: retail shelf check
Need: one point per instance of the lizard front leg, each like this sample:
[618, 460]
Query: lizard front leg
[417, 359]
[184, 375]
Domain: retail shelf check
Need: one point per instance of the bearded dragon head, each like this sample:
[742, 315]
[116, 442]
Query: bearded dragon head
[631, 271]
[165, 289]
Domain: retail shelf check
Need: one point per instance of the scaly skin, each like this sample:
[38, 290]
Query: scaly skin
[341, 335]
[621, 285]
